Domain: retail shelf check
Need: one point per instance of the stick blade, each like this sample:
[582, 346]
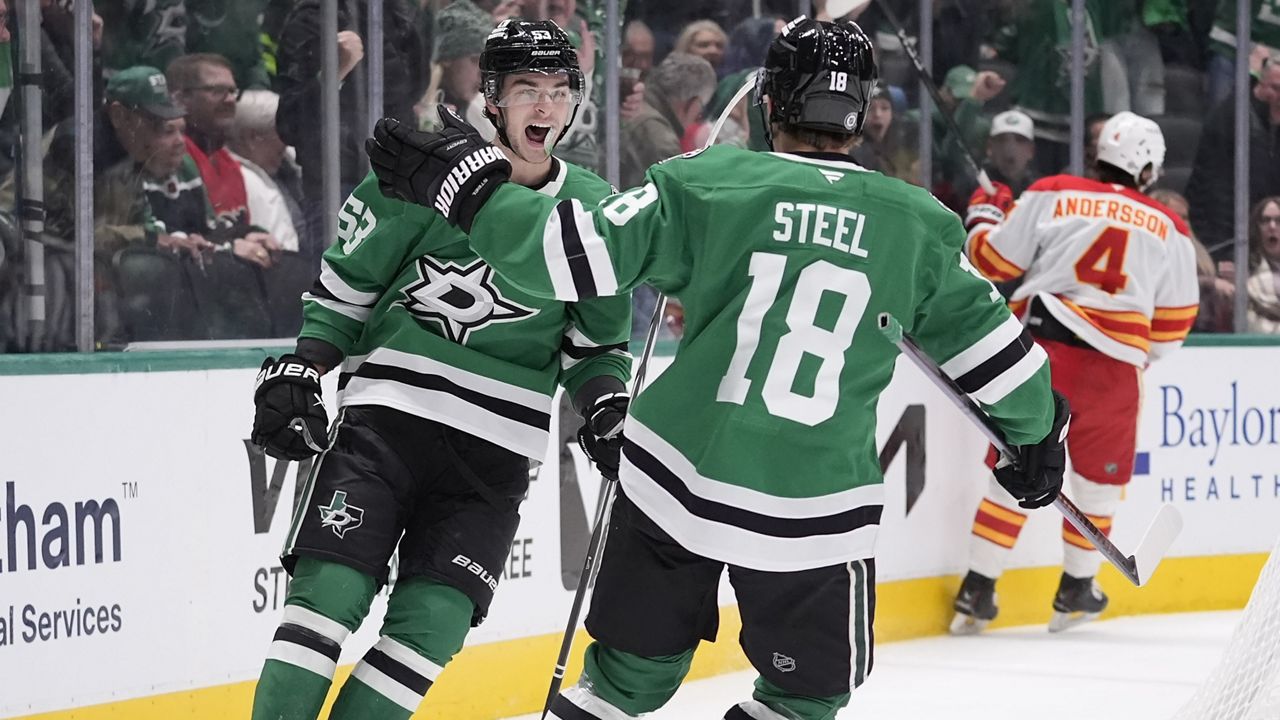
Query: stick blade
[1160, 535]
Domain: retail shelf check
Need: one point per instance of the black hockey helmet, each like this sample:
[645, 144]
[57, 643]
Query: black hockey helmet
[520, 46]
[819, 75]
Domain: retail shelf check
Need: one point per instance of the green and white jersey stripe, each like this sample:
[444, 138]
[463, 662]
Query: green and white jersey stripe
[740, 525]
[472, 402]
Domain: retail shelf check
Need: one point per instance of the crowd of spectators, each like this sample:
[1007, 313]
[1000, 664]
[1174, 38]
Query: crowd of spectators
[208, 203]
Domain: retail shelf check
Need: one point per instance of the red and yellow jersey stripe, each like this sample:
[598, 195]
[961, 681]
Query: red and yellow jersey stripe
[988, 260]
[1171, 324]
[1073, 537]
[998, 524]
[1124, 326]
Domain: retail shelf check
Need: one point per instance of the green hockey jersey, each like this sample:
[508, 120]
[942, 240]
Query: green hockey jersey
[428, 328]
[756, 447]
[1264, 29]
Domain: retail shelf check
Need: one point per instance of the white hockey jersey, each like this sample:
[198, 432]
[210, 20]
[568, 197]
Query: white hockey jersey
[1110, 263]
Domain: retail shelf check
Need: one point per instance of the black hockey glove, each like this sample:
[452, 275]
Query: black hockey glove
[290, 422]
[600, 436]
[1037, 478]
[452, 171]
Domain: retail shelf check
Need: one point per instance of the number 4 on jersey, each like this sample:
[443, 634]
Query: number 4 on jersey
[1102, 265]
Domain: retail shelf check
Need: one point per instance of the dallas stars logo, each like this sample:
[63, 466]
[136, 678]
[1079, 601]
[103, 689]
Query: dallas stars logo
[459, 299]
[339, 515]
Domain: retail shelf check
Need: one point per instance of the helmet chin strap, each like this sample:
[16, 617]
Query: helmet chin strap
[500, 124]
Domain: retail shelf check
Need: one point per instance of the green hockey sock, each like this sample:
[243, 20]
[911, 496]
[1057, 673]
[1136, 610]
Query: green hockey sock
[800, 707]
[425, 627]
[631, 683]
[326, 601]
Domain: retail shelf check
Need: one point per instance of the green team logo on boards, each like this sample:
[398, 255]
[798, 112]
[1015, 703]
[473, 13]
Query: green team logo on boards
[339, 515]
[459, 299]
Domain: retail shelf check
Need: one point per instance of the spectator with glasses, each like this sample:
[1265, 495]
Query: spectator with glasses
[204, 85]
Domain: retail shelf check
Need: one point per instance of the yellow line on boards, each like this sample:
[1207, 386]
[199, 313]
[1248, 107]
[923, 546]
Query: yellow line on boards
[508, 678]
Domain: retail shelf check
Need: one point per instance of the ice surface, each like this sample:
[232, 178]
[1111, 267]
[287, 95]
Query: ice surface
[1136, 668]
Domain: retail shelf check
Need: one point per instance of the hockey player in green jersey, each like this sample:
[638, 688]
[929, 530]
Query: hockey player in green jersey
[447, 378]
[755, 449]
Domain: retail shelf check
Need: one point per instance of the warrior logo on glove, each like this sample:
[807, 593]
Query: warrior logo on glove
[462, 172]
[453, 171]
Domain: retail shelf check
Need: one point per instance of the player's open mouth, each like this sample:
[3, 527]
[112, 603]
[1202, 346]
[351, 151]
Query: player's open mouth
[537, 134]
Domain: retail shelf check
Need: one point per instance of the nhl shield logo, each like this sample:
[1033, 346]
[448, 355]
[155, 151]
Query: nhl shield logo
[339, 515]
[784, 663]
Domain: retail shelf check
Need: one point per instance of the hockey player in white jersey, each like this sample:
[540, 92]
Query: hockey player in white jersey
[1108, 284]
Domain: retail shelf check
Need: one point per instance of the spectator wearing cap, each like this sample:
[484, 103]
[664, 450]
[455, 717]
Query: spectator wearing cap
[460, 32]
[964, 92]
[882, 147]
[137, 120]
[1011, 150]
[155, 195]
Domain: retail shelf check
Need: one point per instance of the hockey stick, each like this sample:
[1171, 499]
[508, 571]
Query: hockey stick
[600, 530]
[932, 87]
[604, 508]
[1137, 567]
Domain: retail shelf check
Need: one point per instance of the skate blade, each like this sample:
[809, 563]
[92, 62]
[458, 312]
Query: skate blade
[967, 625]
[1065, 621]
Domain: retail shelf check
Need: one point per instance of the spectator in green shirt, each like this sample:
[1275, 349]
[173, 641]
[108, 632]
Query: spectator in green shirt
[1038, 41]
[1264, 39]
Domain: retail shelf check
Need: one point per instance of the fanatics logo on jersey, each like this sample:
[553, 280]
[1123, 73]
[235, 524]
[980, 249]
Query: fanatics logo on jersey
[783, 663]
[460, 299]
[832, 176]
[339, 515]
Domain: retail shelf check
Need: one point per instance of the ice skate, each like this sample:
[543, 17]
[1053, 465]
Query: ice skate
[975, 605]
[1078, 601]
